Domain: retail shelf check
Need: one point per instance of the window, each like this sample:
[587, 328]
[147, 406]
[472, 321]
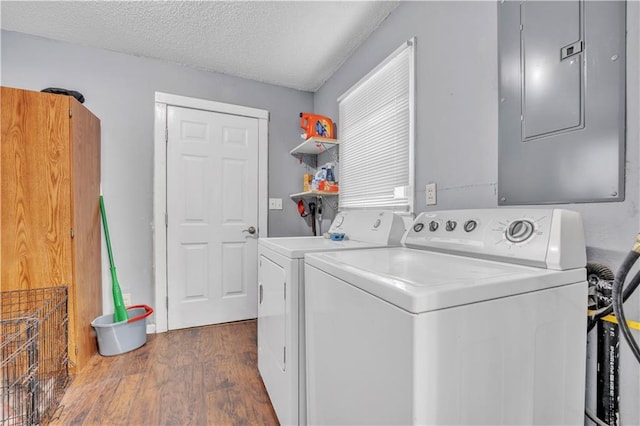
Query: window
[376, 136]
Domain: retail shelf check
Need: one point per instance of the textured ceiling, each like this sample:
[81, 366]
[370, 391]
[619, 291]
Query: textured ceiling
[297, 44]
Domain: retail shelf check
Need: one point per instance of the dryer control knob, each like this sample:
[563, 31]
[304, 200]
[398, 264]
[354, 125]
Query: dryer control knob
[451, 225]
[433, 226]
[418, 227]
[519, 231]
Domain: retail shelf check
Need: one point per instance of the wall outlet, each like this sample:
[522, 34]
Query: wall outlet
[126, 298]
[275, 203]
[431, 194]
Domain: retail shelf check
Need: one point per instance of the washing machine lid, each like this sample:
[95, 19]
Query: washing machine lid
[419, 281]
[296, 247]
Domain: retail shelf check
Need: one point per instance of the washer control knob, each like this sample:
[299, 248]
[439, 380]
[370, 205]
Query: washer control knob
[418, 227]
[451, 225]
[470, 225]
[377, 223]
[519, 231]
[433, 226]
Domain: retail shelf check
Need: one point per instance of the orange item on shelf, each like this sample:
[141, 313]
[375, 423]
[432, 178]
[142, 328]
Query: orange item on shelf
[327, 186]
[316, 125]
[306, 182]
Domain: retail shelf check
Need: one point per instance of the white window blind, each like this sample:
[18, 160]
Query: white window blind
[376, 136]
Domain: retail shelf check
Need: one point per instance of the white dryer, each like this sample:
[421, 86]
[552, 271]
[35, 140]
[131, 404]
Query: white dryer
[480, 318]
[281, 300]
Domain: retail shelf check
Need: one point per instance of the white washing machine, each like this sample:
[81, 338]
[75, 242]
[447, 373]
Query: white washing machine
[281, 301]
[480, 318]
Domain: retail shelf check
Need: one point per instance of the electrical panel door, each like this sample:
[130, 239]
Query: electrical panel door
[561, 101]
[552, 79]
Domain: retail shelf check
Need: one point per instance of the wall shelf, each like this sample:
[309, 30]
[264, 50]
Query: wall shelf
[313, 194]
[315, 146]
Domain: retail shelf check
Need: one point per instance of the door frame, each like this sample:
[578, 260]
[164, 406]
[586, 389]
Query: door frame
[162, 101]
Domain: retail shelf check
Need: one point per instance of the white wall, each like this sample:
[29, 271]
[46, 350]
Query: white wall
[457, 130]
[120, 90]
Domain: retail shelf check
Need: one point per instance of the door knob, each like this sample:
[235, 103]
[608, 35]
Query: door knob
[251, 230]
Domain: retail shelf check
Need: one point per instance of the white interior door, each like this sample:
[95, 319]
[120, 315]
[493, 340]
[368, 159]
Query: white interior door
[212, 216]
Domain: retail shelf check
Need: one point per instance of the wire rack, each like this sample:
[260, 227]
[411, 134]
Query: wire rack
[34, 363]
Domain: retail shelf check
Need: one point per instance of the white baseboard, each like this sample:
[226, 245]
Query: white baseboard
[151, 329]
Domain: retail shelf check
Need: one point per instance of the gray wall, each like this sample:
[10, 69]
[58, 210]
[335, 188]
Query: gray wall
[457, 130]
[120, 89]
[456, 144]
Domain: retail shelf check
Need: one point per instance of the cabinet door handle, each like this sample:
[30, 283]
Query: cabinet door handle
[260, 293]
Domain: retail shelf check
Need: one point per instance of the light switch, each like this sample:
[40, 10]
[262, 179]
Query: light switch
[275, 203]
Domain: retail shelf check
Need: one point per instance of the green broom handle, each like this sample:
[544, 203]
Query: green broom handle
[120, 311]
[106, 231]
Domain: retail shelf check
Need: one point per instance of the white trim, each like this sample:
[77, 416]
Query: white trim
[162, 100]
[412, 124]
[159, 209]
[195, 103]
[263, 176]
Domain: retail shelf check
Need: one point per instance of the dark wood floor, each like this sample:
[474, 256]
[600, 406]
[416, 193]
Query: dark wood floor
[199, 376]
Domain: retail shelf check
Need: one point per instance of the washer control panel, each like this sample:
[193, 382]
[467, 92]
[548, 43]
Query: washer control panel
[373, 226]
[551, 238]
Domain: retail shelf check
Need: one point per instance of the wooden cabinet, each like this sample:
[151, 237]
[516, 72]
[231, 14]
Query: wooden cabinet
[50, 187]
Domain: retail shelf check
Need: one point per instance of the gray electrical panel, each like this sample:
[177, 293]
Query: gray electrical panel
[562, 101]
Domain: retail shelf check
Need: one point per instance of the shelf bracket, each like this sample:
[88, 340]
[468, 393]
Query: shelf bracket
[309, 160]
